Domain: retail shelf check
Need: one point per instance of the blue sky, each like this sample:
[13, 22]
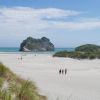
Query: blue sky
[68, 23]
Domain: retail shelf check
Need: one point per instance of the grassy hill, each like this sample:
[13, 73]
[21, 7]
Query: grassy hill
[88, 48]
[88, 51]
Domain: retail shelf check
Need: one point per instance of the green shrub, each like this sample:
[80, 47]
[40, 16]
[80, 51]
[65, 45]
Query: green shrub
[92, 56]
[5, 95]
[1, 82]
[3, 70]
[61, 54]
[98, 55]
[78, 54]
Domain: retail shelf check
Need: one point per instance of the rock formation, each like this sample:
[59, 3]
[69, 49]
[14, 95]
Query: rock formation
[32, 44]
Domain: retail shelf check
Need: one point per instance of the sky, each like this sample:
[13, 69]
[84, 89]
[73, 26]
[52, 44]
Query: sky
[67, 23]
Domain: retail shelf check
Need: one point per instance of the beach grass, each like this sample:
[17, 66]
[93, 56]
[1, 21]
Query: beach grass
[14, 88]
[78, 54]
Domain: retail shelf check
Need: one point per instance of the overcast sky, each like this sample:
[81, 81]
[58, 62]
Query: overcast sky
[67, 23]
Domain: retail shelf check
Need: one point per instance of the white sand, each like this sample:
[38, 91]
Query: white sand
[82, 81]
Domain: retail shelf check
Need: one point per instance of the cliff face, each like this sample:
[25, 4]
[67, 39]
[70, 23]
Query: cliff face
[32, 44]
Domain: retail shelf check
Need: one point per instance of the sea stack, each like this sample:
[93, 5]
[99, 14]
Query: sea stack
[34, 45]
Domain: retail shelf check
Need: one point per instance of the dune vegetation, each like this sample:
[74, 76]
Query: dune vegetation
[14, 88]
[88, 51]
[78, 55]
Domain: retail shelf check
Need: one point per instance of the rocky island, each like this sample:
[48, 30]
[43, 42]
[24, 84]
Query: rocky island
[35, 45]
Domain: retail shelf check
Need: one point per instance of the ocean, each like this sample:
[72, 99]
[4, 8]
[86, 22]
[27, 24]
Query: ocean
[16, 50]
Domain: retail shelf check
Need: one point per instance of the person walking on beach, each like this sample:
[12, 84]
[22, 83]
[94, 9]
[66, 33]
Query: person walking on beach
[21, 58]
[65, 71]
[60, 71]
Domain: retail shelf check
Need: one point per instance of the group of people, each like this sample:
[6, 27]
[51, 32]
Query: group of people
[20, 58]
[63, 71]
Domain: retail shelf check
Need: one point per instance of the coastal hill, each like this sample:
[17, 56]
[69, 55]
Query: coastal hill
[32, 44]
[88, 51]
[88, 48]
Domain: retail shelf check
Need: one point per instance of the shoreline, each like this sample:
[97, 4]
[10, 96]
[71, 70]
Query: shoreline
[81, 82]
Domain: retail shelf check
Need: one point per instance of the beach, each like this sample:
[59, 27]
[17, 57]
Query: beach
[82, 81]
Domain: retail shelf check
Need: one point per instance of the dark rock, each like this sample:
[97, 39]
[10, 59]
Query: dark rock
[32, 44]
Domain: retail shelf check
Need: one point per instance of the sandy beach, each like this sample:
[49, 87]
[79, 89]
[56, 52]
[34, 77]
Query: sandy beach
[82, 81]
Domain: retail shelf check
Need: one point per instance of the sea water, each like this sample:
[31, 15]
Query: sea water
[16, 50]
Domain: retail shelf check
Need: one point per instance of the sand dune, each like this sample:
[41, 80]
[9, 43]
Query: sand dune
[82, 81]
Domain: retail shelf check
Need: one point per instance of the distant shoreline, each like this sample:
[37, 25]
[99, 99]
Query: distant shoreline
[16, 50]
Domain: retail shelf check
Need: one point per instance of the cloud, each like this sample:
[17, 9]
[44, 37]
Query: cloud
[23, 20]
[40, 13]
[78, 25]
